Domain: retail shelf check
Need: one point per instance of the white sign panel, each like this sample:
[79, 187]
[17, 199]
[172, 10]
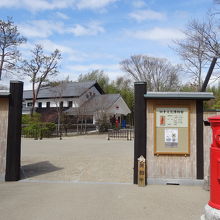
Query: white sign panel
[172, 117]
[171, 137]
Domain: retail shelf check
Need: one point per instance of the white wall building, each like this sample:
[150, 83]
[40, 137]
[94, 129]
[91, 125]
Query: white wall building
[88, 98]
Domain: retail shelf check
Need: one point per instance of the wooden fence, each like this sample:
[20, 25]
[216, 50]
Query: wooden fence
[121, 133]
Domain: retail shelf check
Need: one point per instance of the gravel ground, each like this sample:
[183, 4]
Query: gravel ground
[86, 201]
[79, 158]
[90, 178]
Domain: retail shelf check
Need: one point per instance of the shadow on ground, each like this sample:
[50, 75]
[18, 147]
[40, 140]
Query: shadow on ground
[36, 169]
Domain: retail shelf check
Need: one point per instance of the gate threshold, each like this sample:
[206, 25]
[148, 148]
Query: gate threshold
[72, 182]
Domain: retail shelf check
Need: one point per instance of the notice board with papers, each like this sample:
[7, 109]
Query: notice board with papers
[171, 130]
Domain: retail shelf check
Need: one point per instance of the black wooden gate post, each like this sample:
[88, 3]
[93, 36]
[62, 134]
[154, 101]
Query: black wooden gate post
[139, 125]
[13, 156]
[199, 140]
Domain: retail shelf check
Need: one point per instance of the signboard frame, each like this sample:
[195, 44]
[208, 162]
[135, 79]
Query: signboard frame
[173, 149]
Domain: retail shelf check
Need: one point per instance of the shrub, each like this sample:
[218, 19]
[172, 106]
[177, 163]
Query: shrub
[103, 124]
[27, 119]
[34, 128]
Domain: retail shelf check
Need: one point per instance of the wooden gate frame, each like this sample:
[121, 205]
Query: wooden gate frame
[13, 148]
[140, 131]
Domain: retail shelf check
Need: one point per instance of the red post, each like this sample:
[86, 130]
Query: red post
[116, 123]
[214, 201]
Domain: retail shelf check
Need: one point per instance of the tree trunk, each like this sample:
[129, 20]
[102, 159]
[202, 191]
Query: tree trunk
[200, 77]
[33, 107]
[1, 65]
[58, 125]
[81, 129]
[33, 99]
[77, 125]
[85, 130]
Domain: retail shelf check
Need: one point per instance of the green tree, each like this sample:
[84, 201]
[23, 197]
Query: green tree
[121, 85]
[124, 87]
[96, 75]
[213, 103]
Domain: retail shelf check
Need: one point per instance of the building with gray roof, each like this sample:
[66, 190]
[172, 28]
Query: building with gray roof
[77, 98]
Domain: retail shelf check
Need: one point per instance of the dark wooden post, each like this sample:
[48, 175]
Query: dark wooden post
[139, 125]
[14, 132]
[199, 140]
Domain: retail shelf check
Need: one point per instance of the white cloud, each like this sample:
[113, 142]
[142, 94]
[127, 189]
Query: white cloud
[43, 4]
[62, 15]
[46, 28]
[69, 53]
[142, 15]
[92, 28]
[39, 5]
[34, 5]
[138, 3]
[158, 34]
[41, 28]
[6, 3]
[93, 4]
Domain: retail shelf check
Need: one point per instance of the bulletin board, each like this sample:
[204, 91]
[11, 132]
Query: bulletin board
[171, 129]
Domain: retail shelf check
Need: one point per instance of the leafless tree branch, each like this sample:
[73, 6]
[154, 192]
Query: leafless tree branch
[39, 69]
[10, 39]
[159, 74]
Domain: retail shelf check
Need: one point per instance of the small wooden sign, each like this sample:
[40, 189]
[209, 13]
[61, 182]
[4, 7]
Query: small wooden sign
[141, 171]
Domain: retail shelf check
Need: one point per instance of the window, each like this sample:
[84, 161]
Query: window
[70, 104]
[48, 104]
[39, 104]
[61, 104]
[29, 104]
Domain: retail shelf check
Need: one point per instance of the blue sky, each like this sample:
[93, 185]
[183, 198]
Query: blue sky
[98, 34]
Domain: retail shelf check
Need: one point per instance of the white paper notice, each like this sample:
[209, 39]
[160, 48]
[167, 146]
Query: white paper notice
[172, 117]
[171, 137]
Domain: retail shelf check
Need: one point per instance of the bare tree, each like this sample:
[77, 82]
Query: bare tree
[200, 45]
[58, 88]
[40, 68]
[159, 74]
[10, 39]
[81, 119]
